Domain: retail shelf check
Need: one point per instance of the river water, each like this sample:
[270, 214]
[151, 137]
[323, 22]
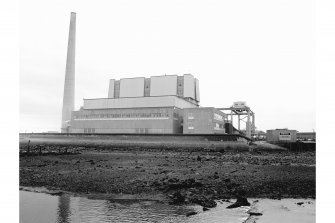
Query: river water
[44, 208]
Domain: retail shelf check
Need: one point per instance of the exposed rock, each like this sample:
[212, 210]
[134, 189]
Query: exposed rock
[203, 201]
[177, 198]
[251, 219]
[55, 193]
[254, 212]
[191, 213]
[205, 209]
[241, 201]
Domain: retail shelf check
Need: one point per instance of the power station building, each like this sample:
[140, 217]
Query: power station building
[145, 105]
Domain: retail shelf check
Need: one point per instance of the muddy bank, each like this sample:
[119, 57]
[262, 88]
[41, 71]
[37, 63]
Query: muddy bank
[147, 142]
[180, 176]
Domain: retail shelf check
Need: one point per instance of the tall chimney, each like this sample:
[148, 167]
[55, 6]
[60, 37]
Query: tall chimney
[69, 85]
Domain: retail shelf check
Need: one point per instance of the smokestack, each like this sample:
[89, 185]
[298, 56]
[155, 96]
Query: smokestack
[69, 85]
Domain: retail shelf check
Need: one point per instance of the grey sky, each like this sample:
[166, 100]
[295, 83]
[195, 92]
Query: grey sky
[261, 52]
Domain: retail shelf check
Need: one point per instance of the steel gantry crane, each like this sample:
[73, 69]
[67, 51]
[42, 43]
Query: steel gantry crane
[242, 111]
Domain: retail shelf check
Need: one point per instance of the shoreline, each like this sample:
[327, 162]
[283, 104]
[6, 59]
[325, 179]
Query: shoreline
[96, 196]
[159, 197]
[189, 174]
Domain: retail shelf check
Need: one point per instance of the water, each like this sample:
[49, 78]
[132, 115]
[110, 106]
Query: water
[44, 208]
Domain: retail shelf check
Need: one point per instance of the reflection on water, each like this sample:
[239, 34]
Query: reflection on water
[63, 211]
[39, 207]
[44, 208]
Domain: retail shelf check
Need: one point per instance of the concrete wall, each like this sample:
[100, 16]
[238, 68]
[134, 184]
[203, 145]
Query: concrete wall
[197, 90]
[306, 135]
[141, 120]
[163, 85]
[147, 83]
[202, 121]
[189, 86]
[281, 135]
[185, 86]
[180, 86]
[132, 87]
[111, 88]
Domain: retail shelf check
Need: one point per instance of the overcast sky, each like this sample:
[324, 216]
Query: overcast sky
[261, 52]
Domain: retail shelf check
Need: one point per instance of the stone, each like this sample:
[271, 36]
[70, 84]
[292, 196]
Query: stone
[254, 212]
[177, 198]
[203, 201]
[191, 213]
[241, 201]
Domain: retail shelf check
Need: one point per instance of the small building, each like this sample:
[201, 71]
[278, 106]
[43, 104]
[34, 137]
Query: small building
[205, 120]
[281, 135]
[306, 136]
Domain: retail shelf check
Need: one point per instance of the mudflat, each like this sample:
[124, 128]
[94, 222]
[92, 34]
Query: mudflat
[180, 175]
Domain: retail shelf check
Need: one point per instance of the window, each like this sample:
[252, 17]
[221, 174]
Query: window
[190, 116]
[218, 117]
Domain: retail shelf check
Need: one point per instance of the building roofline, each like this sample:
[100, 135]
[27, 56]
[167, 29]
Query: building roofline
[132, 78]
[154, 76]
[138, 97]
[165, 75]
[86, 109]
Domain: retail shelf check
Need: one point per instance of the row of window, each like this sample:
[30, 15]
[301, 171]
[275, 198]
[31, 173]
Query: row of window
[89, 130]
[216, 116]
[217, 126]
[134, 115]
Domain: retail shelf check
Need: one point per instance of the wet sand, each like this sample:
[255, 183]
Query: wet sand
[285, 210]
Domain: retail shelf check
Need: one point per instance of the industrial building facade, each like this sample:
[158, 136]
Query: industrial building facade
[203, 121]
[185, 86]
[155, 105]
[128, 120]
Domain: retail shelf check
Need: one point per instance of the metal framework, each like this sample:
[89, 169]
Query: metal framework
[242, 112]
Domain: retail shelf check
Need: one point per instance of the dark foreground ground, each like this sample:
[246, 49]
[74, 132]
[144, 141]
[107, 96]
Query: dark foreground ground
[198, 176]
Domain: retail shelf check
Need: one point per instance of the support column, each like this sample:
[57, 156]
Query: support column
[253, 124]
[248, 130]
[231, 117]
